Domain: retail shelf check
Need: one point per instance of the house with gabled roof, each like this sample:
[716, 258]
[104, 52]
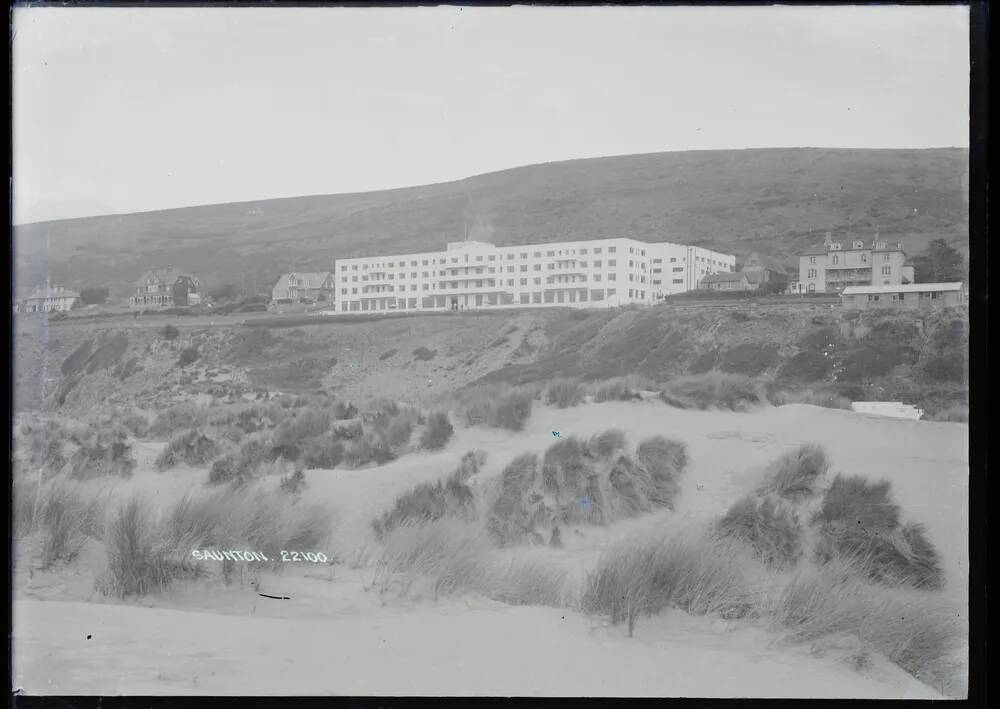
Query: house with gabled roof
[48, 299]
[299, 286]
[165, 288]
[838, 264]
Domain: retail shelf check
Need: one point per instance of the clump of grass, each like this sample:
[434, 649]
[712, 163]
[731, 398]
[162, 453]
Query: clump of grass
[642, 575]
[324, 452]
[372, 447]
[606, 444]
[191, 448]
[62, 511]
[104, 451]
[564, 393]
[176, 418]
[189, 355]
[432, 501]
[714, 390]
[917, 630]
[170, 332]
[769, 529]
[508, 520]
[665, 459]
[293, 484]
[795, 474]
[423, 354]
[397, 431]
[291, 434]
[379, 410]
[240, 464]
[437, 432]
[136, 424]
[617, 389]
[858, 521]
[508, 410]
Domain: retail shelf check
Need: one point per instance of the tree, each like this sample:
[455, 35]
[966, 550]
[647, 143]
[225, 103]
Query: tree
[939, 262]
[94, 295]
[223, 292]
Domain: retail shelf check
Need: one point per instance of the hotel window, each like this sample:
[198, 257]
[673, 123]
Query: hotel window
[364, 267]
[631, 264]
[454, 260]
[510, 257]
[510, 269]
[423, 274]
[886, 270]
[552, 266]
[524, 254]
[612, 262]
[864, 258]
[583, 264]
[524, 281]
[673, 260]
[491, 270]
[354, 291]
[612, 277]
[364, 278]
[550, 253]
[597, 276]
[642, 252]
[343, 291]
[678, 269]
[812, 273]
[424, 262]
[343, 268]
[538, 267]
[642, 279]
[402, 276]
[630, 277]
[885, 257]
[812, 259]
[611, 292]
[597, 263]
[524, 267]
[491, 258]
[538, 281]
[629, 292]
[426, 287]
[678, 280]
[354, 278]
[538, 254]
[583, 252]
[597, 250]
[836, 259]
[510, 281]
[479, 258]
[612, 249]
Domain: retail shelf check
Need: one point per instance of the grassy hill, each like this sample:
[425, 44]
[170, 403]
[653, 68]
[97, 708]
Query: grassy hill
[738, 201]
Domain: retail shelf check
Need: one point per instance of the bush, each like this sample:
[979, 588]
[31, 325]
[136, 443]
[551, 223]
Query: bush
[795, 474]
[805, 367]
[372, 447]
[136, 424]
[102, 452]
[508, 520]
[322, 452]
[386, 355]
[423, 354]
[642, 575]
[175, 418]
[64, 513]
[349, 432]
[438, 431]
[241, 464]
[189, 355]
[170, 332]
[191, 448]
[506, 410]
[432, 501]
[749, 358]
[292, 433]
[397, 432]
[772, 531]
[607, 444]
[564, 393]
[714, 390]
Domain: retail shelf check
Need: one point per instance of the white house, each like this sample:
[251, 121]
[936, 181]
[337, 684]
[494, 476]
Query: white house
[48, 300]
[471, 275]
[299, 286]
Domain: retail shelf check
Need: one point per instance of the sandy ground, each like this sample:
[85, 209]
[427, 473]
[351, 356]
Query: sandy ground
[331, 637]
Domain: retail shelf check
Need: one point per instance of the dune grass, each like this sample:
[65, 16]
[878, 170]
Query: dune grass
[62, 512]
[771, 530]
[796, 474]
[499, 407]
[191, 448]
[564, 393]
[714, 390]
[437, 432]
[621, 389]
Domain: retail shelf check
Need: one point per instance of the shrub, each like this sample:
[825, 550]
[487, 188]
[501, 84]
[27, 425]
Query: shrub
[805, 367]
[397, 432]
[372, 447]
[170, 332]
[749, 358]
[191, 448]
[239, 465]
[322, 452]
[423, 354]
[713, 389]
[902, 556]
[795, 474]
[291, 434]
[386, 355]
[432, 501]
[349, 432]
[189, 355]
[379, 410]
[740, 316]
[294, 483]
[175, 418]
[641, 575]
[772, 531]
[136, 424]
[103, 452]
[438, 431]
[564, 393]
[511, 411]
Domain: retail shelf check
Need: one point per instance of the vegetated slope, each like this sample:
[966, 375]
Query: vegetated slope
[920, 358]
[738, 201]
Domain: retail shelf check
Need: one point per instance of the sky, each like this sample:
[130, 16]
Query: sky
[120, 110]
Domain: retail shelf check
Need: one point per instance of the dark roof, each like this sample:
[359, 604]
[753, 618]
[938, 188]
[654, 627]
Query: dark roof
[166, 276]
[725, 277]
[848, 245]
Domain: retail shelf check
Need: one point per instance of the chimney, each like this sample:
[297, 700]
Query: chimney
[828, 239]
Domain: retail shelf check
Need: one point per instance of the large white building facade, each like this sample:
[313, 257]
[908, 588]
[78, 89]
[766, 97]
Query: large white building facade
[475, 275]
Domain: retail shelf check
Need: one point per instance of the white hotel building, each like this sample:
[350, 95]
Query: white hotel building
[473, 275]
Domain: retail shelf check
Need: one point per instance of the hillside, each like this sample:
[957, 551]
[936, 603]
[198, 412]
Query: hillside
[776, 201]
[919, 358]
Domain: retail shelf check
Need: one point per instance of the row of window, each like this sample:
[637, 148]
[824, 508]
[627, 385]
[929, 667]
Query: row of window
[574, 295]
[444, 285]
[479, 258]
